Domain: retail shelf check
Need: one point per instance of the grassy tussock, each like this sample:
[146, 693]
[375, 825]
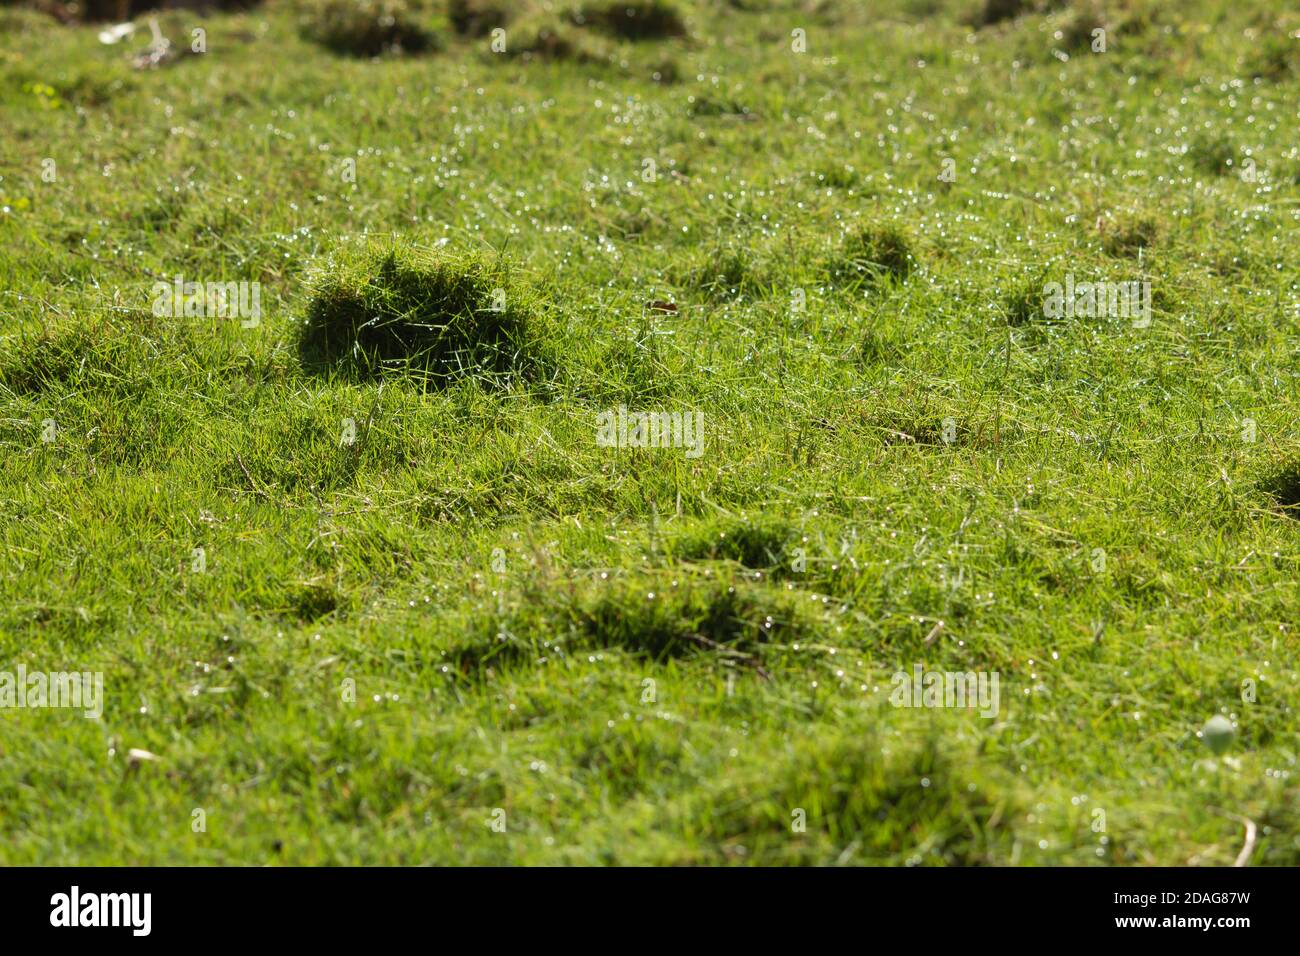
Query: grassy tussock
[432, 313]
[477, 18]
[634, 19]
[874, 252]
[765, 544]
[843, 798]
[368, 28]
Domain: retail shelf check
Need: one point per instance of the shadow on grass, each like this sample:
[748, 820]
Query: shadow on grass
[1284, 489]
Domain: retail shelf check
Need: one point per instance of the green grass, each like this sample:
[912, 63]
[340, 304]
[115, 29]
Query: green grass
[430, 595]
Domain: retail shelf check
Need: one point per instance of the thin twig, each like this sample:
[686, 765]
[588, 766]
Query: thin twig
[251, 483]
[1244, 856]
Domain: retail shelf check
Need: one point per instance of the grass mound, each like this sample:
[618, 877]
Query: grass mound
[993, 12]
[477, 18]
[544, 36]
[635, 19]
[718, 273]
[873, 252]
[651, 617]
[108, 353]
[1128, 233]
[1211, 154]
[1023, 304]
[709, 106]
[1276, 57]
[845, 799]
[663, 621]
[877, 348]
[113, 11]
[438, 315]
[1284, 488]
[367, 28]
[754, 544]
[53, 359]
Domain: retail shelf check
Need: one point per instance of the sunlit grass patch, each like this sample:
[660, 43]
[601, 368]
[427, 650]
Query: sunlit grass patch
[367, 570]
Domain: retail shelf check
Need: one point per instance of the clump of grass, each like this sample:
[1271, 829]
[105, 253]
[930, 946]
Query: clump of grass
[77, 84]
[874, 251]
[634, 19]
[544, 36]
[1127, 233]
[719, 273]
[836, 175]
[1276, 57]
[910, 418]
[627, 370]
[311, 602]
[367, 28]
[1211, 154]
[55, 359]
[88, 11]
[757, 544]
[104, 351]
[1074, 30]
[718, 106]
[1284, 489]
[666, 71]
[656, 618]
[432, 313]
[997, 11]
[631, 224]
[1023, 304]
[923, 9]
[1232, 262]
[878, 348]
[476, 18]
[663, 622]
[854, 791]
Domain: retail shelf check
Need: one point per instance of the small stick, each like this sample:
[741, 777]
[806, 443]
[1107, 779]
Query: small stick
[1244, 856]
[251, 483]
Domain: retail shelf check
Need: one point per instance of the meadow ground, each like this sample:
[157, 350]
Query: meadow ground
[366, 581]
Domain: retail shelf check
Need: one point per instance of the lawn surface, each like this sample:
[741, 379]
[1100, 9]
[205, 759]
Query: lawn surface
[435, 620]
